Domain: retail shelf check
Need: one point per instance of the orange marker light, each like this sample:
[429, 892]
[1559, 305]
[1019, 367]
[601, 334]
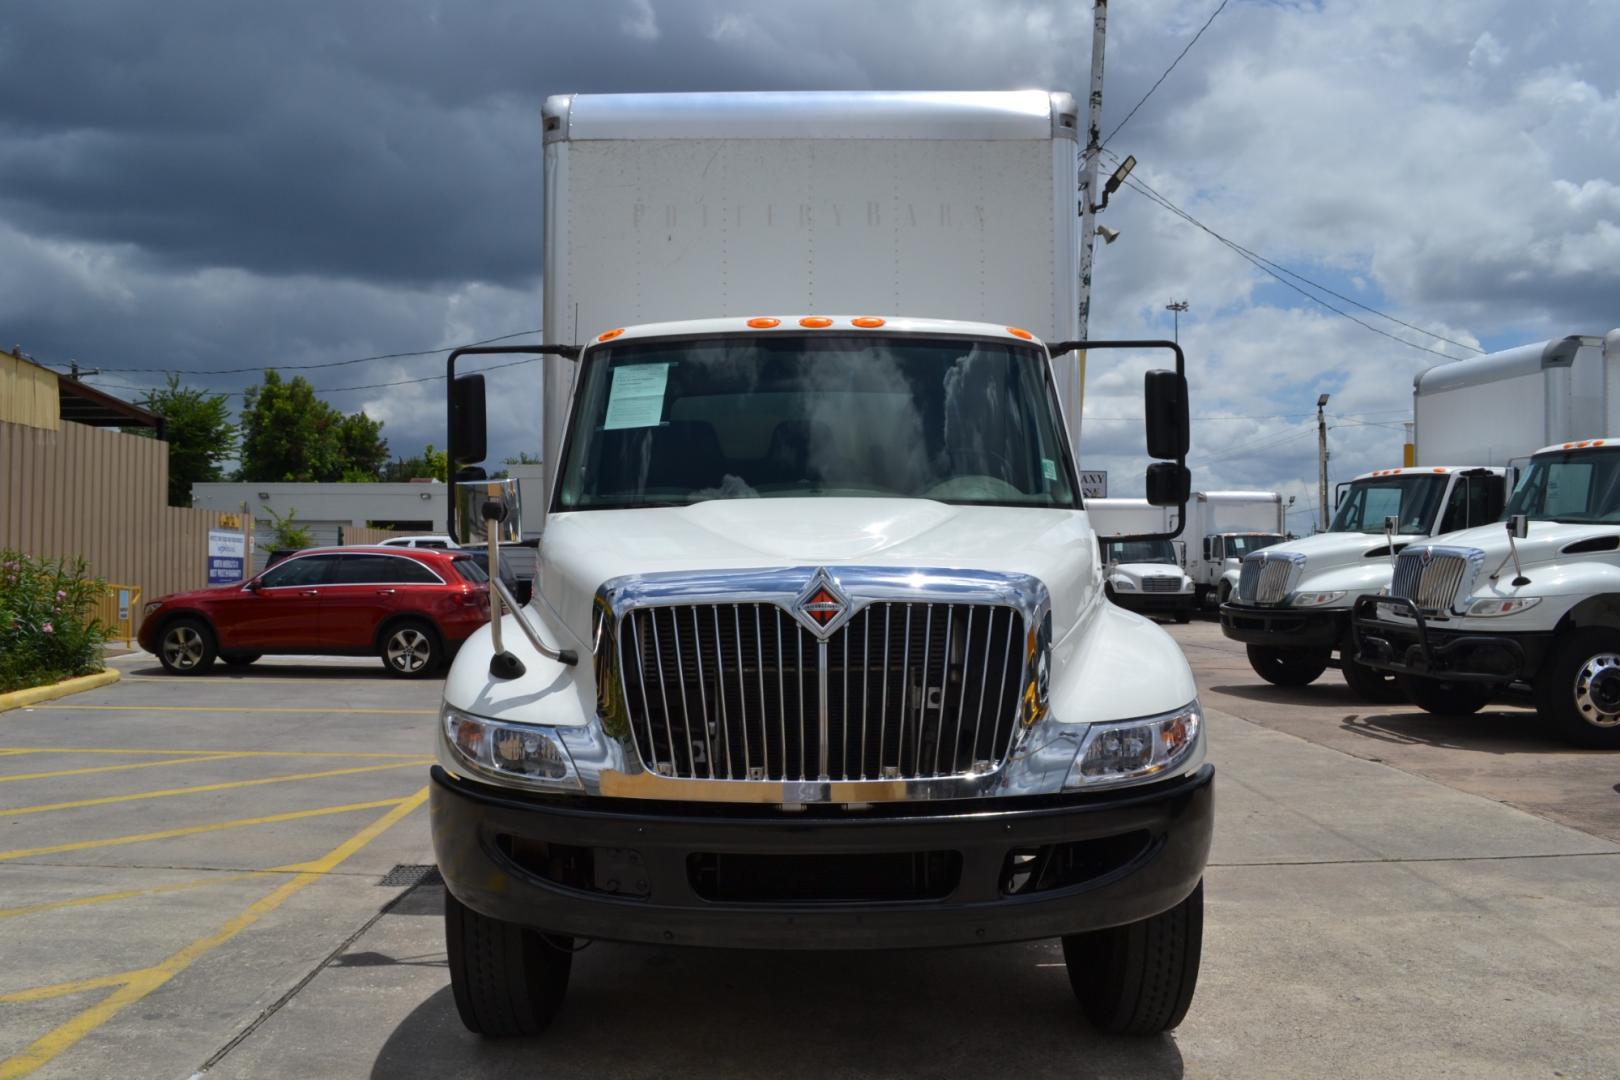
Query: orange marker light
[610, 335]
[815, 322]
[764, 322]
[867, 322]
[1599, 442]
[1020, 333]
[1439, 470]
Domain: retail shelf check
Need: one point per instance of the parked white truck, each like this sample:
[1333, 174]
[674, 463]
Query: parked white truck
[818, 655]
[1223, 528]
[1142, 575]
[1533, 600]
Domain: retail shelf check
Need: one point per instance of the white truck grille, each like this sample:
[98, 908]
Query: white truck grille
[1434, 577]
[1161, 583]
[1266, 577]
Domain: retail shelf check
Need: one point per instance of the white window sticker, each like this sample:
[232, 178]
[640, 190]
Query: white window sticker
[1049, 468]
[636, 398]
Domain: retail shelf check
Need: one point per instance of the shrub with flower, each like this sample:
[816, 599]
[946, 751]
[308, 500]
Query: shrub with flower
[48, 628]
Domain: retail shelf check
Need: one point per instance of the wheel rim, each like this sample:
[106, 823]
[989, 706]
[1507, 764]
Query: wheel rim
[183, 647]
[1597, 691]
[409, 650]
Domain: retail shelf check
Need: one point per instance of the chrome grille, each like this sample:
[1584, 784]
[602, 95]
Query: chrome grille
[1265, 577]
[1430, 577]
[743, 691]
[1161, 584]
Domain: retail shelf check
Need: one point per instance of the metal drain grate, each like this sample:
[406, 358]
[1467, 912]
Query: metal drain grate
[412, 874]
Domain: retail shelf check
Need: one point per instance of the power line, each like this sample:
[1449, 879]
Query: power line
[1267, 267]
[1220, 8]
[311, 367]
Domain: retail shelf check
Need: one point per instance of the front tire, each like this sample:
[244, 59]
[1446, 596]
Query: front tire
[506, 979]
[239, 659]
[1369, 684]
[1288, 667]
[411, 649]
[187, 647]
[1578, 689]
[1184, 615]
[1444, 698]
[1138, 979]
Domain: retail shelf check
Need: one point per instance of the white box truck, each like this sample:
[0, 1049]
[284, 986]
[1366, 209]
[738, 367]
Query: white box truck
[818, 655]
[1143, 575]
[1533, 601]
[1223, 528]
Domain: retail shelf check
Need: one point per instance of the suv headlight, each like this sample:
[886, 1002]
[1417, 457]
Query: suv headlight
[1316, 599]
[1490, 607]
[149, 607]
[1132, 750]
[519, 754]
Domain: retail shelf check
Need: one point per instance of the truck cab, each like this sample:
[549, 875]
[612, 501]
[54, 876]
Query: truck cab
[1221, 564]
[1531, 601]
[1146, 576]
[1293, 602]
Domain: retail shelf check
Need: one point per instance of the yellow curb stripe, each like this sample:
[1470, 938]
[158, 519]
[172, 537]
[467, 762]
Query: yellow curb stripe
[234, 753]
[193, 830]
[200, 789]
[20, 699]
[111, 768]
[128, 894]
[312, 710]
[138, 984]
[62, 989]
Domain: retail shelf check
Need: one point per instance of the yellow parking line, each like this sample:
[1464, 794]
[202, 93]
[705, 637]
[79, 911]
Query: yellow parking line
[62, 989]
[192, 830]
[237, 753]
[138, 984]
[199, 789]
[131, 894]
[117, 768]
[322, 710]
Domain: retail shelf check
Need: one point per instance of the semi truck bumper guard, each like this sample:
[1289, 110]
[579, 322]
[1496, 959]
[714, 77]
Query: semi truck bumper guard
[1423, 651]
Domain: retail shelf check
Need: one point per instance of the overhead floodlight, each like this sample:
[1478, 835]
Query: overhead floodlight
[1120, 174]
[1322, 401]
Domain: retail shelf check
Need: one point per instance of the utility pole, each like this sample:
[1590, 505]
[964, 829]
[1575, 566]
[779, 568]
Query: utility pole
[1322, 461]
[1177, 307]
[1089, 164]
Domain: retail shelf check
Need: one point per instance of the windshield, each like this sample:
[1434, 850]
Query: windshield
[1139, 551]
[1240, 545]
[1411, 499]
[668, 423]
[1580, 487]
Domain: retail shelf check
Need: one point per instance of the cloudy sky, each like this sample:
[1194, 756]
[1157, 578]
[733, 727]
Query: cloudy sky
[202, 186]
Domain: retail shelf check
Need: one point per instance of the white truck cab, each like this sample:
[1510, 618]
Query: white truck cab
[1223, 528]
[1533, 600]
[818, 654]
[1142, 575]
[1293, 602]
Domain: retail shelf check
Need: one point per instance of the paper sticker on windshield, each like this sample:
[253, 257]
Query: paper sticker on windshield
[636, 398]
[1049, 468]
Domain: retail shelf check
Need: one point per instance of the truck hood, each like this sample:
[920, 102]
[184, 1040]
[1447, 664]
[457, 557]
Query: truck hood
[583, 549]
[1546, 541]
[1341, 562]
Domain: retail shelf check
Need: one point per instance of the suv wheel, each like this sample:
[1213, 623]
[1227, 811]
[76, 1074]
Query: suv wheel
[507, 979]
[186, 647]
[411, 649]
[1138, 979]
[1578, 690]
[1445, 698]
[241, 659]
[1288, 667]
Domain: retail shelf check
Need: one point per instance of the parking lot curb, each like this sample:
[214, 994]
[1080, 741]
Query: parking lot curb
[18, 699]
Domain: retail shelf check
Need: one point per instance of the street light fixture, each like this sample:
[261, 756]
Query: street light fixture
[1177, 307]
[1114, 181]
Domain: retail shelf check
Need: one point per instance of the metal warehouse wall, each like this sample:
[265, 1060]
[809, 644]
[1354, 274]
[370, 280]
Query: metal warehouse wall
[98, 493]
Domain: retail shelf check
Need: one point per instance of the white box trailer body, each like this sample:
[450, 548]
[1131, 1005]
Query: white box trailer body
[1493, 409]
[665, 207]
[1222, 528]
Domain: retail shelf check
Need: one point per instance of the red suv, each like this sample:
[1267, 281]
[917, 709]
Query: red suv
[410, 606]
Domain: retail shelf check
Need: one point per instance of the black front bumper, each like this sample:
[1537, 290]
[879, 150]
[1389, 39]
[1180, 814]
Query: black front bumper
[1283, 628]
[724, 876]
[1426, 651]
[1155, 603]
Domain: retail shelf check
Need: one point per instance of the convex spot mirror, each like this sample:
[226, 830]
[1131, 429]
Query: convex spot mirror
[1168, 484]
[1164, 398]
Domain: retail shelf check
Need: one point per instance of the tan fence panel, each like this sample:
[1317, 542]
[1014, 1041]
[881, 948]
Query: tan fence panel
[101, 494]
[356, 534]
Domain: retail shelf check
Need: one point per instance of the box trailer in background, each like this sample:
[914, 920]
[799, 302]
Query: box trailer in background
[1143, 575]
[1222, 528]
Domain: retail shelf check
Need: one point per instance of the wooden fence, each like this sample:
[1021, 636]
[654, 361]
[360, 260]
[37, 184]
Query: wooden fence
[103, 495]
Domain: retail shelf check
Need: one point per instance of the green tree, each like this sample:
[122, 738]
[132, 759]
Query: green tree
[430, 464]
[198, 429]
[288, 534]
[523, 458]
[290, 434]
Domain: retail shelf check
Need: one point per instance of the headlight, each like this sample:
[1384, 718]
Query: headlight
[1123, 584]
[1316, 599]
[1132, 750]
[1490, 607]
[514, 753]
[150, 606]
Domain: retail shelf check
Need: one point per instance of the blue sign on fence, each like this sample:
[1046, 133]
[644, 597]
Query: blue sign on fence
[227, 556]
